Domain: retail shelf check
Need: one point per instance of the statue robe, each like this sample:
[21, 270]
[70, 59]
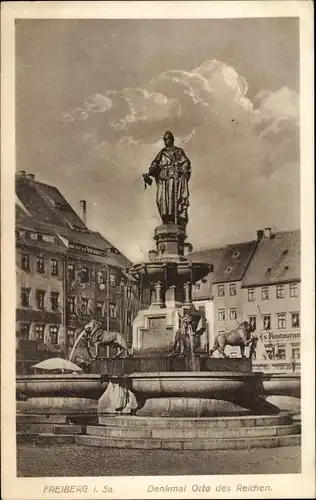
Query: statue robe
[171, 169]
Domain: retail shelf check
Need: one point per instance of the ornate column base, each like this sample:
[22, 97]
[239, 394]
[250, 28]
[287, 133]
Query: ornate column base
[170, 240]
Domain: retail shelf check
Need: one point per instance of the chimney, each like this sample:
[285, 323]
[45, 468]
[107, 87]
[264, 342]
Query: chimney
[21, 173]
[259, 234]
[83, 210]
[30, 177]
[267, 232]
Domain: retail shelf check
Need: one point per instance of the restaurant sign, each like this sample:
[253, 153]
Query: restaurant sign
[281, 336]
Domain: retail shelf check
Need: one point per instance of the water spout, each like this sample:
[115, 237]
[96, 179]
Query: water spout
[192, 352]
[76, 343]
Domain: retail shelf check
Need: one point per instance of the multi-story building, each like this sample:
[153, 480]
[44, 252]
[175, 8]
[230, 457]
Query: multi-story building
[271, 298]
[202, 293]
[225, 309]
[66, 273]
[39, 279]
[258, 281]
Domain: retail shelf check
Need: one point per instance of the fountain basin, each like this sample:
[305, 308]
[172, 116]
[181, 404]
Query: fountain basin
[282, 385]
[213, 385]
[59, 385]
[158, 384]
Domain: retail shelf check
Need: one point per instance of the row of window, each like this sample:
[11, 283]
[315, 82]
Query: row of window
[40, 264]
[48, 238]
[83, 248]
[73, 306]
[277, 352]
[266, 319]
[40, 299]
[86, 275]
[81, 307]
[221, 290]
[280, 292]
[83, 274]
[24, 332]
[39, 332]
[265, 291]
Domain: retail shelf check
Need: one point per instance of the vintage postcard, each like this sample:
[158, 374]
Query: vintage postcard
[157, 250]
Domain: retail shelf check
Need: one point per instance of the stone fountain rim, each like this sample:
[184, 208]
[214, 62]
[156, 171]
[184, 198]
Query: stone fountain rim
[279, 416]
[193, 375]
[276, 376]
[59, 376]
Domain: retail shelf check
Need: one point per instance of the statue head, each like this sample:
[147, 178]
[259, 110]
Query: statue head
[168, 138]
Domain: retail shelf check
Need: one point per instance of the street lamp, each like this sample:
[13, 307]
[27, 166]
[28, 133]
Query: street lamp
[106, 286]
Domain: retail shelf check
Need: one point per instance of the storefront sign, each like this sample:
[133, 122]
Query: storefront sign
[281, 336]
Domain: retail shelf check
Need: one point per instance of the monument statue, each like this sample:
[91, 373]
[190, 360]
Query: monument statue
[240, 337]
[171, 170]
[95, 335]
[182, 335]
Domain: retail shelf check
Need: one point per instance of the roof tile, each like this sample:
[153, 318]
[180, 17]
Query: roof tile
[277, 259]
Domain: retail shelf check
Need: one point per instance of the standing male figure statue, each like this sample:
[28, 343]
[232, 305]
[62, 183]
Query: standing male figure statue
[171, 170]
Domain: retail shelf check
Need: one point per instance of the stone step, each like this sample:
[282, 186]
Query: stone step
[69, 429]
[192, 444]
[45, 438]
[41, 418]
[195, 423]
[243, 432]
[37, 428]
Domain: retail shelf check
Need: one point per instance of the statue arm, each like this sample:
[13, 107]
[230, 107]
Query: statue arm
[155, 166]
[153, 171]
[185, 165]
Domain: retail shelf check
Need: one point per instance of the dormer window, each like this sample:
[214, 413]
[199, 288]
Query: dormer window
[235, 255]
[284, 271]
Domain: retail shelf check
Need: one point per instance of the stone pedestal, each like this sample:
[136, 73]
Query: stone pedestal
[171, 275]
[170, 240]
[154, 331]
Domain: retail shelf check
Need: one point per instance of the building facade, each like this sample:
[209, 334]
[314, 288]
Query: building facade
[66, 273]
[225, 306]
[257, 281]
[39, 283]
[271, 298]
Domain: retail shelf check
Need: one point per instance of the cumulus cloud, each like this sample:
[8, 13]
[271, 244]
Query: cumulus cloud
[98, 103]
[244, 152]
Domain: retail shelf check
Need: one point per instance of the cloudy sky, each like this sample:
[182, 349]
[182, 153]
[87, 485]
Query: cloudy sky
[94, 97]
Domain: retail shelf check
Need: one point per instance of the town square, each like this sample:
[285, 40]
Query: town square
[158, 256]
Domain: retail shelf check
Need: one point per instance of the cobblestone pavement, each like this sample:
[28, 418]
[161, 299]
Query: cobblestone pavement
[58, 461]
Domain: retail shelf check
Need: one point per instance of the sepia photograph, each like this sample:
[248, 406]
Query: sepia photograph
[157, 276]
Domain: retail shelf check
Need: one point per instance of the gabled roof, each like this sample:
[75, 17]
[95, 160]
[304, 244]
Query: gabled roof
[276, 260]
[230, 262]
[25, 221]
[234, 262]
[210, 256]
[46, 203]
[43, 208]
